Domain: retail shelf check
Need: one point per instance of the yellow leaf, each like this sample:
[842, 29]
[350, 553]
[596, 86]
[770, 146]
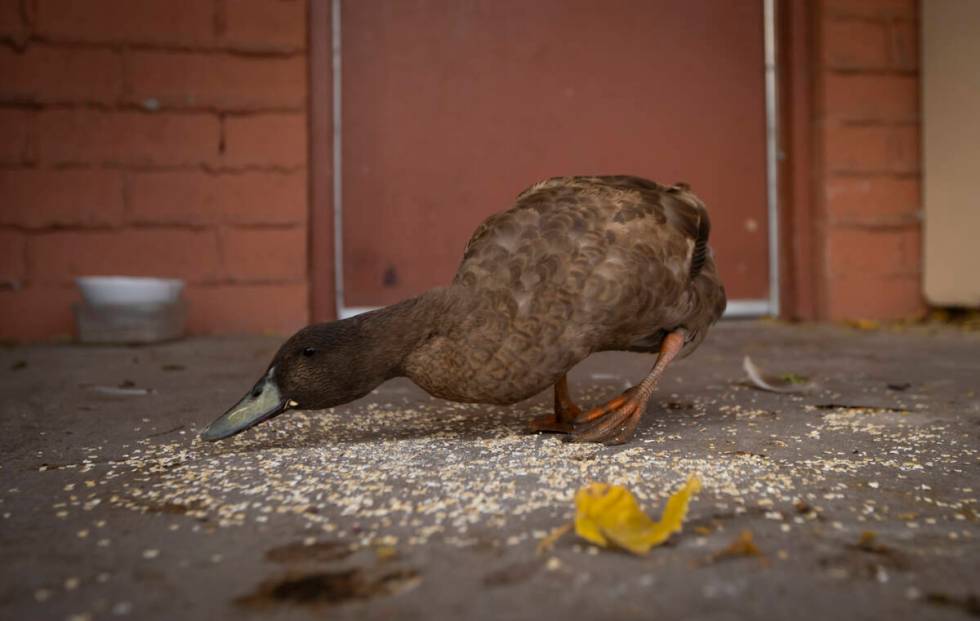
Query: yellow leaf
[610, 514]
[865, 324]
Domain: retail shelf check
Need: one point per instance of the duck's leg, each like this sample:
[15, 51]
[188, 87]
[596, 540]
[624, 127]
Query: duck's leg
[615, 422]
[565, 411]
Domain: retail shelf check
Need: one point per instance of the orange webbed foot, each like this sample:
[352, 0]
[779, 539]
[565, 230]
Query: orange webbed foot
[613, 422]
[551, 423]
[566, 412]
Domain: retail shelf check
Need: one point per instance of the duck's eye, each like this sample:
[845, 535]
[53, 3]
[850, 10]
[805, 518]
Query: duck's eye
[309, 351]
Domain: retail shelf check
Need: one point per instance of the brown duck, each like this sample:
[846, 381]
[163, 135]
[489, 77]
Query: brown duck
[578, 265]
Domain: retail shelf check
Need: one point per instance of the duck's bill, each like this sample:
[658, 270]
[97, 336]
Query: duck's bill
[260, 404]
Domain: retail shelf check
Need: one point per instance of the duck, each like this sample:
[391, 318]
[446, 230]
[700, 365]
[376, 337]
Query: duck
[579, 265]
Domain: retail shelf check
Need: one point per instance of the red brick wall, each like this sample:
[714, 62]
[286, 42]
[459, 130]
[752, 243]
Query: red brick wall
[868, 195]
[169, 137]
[154, 137]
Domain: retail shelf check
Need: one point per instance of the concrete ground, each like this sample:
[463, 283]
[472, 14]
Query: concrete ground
[861, 495]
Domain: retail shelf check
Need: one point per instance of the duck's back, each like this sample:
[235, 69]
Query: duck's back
[578, 265]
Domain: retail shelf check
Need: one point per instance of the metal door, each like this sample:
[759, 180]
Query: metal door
[452, 107]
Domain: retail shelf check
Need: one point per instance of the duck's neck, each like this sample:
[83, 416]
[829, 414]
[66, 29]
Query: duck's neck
[391, 333]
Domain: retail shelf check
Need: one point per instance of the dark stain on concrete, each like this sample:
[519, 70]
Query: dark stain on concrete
[513, 573]
[326, 588]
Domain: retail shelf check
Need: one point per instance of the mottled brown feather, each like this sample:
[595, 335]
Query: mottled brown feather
[578, 265]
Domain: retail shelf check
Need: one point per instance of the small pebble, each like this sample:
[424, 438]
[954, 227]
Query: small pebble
[122, 608]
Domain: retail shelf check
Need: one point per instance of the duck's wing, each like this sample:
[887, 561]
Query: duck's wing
[694, 298]
[613, 251]
[646, 208]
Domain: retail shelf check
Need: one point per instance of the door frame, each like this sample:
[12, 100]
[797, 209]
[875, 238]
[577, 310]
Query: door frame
[788, 182]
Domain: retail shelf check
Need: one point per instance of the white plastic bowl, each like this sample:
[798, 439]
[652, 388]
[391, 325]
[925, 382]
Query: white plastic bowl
[125, 290]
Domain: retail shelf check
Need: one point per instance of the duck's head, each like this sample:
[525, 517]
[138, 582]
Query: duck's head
[321, 366]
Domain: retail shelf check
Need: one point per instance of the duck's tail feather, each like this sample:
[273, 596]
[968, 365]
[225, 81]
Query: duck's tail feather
[700, 231]
[700, 244]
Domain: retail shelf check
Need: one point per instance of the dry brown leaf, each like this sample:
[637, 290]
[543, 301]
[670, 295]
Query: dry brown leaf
[743, 546]
[787, 383]
[549, 541]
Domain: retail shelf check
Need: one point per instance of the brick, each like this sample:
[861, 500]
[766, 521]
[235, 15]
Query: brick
[174, 198]
[199, 198]
[16, 136]
[869, 296]
[222, 81]
[186, 23]
[871, 149]
[887, 98]
[265, 198]
[265, 25]
[872, 9]
[264, 255]
[856, 44]
[874, 200]
[230, 309]
[13, 26]
[36, 198]
[58, 257]
[36, 312]
[12, 253]
[53, 75]
[266, 140]
[91, 136]
[881, 253]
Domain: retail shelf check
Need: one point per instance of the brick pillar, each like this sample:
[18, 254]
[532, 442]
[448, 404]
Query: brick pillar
[866, 132]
